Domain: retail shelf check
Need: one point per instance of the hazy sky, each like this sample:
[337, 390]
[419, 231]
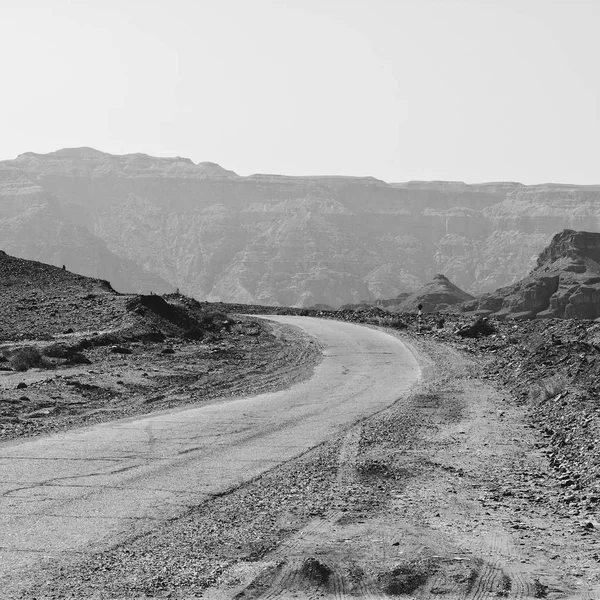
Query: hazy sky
[471, 90]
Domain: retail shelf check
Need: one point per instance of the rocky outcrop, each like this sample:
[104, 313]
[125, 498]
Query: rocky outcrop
[302, 241]
[564, 284]
[435, 296]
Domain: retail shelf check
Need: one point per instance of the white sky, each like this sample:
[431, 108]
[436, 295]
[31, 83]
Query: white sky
[472, 90]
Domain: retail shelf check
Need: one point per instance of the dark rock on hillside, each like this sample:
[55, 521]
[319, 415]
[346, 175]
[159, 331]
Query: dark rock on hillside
[565, 283]
[435, 296]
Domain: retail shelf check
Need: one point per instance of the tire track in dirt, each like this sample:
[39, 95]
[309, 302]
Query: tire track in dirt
[307, 576]
[299, 573]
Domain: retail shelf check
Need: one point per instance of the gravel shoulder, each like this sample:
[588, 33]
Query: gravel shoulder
[448, 493]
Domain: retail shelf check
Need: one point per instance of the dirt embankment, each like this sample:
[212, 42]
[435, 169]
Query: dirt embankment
[449, 493]
[163, 354]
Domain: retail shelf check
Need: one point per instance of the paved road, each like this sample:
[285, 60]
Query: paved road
[84, 490]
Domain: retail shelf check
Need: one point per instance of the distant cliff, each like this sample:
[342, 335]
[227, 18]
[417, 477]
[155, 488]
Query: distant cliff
[299, 241]
[34, 225]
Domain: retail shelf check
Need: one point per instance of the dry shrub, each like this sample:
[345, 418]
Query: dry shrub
[27, 357]
[58, 351]
[193, 333]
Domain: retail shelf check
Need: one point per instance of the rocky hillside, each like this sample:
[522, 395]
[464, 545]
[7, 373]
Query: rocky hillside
[565, 283]
[300, 241]
[39, 301]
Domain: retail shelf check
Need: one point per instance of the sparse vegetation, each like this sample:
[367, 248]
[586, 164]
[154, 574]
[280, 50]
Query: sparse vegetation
[58, 351]
[193, 333]
[27, 357]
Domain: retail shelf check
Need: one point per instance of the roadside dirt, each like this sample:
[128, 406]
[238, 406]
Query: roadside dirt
[448, 493]
[74, 352]
[251, 357]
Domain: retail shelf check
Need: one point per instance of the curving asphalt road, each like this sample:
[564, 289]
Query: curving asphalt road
[84, 490]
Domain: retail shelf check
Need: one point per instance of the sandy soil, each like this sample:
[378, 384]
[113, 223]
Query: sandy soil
[449, 493]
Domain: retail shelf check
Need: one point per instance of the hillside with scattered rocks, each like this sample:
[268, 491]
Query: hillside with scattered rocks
[73, 351]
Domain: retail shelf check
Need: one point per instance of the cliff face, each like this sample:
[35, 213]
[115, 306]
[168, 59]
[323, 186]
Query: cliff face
[34, 226]
[303, 241]
[564, 284]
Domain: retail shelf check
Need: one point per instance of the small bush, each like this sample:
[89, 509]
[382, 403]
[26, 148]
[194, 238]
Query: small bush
[58, 351]
[193, 333]
[27, 357]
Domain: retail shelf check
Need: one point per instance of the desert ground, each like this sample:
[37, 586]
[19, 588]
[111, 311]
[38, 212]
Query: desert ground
[464, 487]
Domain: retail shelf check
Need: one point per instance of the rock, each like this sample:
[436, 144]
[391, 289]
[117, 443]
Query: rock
[21, 385]
[121, 350]
[481, 327]
[78, 359]
[564, 284]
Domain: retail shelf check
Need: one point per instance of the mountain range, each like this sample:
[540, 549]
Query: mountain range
[155, 224]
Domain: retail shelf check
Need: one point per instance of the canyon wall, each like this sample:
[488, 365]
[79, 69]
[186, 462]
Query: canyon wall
[272, 239]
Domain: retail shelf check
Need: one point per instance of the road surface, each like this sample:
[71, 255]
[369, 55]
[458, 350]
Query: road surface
[87, 489]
